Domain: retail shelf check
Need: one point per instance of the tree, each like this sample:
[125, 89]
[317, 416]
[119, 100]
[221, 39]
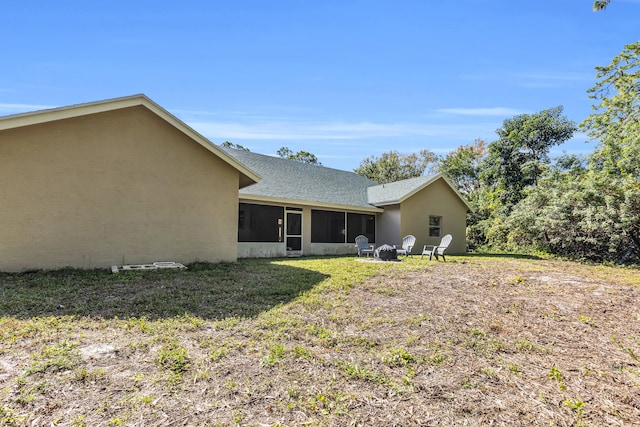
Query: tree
[590, 211]
[600, 4]
[394, 166]
[518, 157]
[300, 156]
[462, 166]
[572, 213]
[228, 144]
[615, 123]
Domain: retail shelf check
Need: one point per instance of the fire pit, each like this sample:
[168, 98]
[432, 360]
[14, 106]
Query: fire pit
[385, 253]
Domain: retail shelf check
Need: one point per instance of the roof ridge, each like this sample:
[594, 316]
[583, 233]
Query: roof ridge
[278, 158]
[78, 105]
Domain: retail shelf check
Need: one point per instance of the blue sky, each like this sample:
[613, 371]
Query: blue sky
[343, 79]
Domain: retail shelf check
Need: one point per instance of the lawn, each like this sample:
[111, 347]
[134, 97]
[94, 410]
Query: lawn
[478, 340]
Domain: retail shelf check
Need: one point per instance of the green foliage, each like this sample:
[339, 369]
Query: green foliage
[580, 216]
[394, 166]
[495, 178]
[58, 357]
[519, 156]
[588, 212]
[577, 406]
[356, 371]
[600, 4]
[615, 122]
[7, 417]
[398, 356]
[276, 352]
[174, 357]
[228, 144]
[300, 156]
[576, 209]
[557, 376]
[462, 166]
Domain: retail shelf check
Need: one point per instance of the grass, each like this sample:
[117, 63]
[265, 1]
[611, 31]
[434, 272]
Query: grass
[323, 341]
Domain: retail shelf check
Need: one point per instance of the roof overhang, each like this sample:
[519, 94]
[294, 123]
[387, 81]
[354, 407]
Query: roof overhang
[247, 176]
[330, 206]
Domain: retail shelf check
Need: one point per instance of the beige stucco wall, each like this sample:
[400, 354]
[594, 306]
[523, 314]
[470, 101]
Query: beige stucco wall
[119, 187]
[437, 199]
[261, 250]
[388, 226]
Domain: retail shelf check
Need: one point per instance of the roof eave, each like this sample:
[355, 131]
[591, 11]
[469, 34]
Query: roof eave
[310, 203]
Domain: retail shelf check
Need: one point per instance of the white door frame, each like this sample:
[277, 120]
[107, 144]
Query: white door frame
[294, 235]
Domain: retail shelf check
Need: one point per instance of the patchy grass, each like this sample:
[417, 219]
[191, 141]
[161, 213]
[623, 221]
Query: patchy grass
[493, 340]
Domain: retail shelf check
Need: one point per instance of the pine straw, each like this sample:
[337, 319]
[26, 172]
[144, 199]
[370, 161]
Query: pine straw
[463, 343]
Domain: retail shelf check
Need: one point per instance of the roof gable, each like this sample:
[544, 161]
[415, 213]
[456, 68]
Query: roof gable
[397, 192]
[247, 176]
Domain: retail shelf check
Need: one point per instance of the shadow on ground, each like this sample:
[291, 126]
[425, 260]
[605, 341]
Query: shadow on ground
[209, 291]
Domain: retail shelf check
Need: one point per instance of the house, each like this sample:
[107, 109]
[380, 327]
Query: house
[305, 209]
[123, 181]
[114, 182]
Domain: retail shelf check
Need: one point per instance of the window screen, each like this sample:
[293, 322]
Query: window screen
[259, 223]
[327, 227]
[361, 224]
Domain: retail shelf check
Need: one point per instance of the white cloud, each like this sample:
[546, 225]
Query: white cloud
[296, 130]
[488, 111]
[22, 108]
[535, 79]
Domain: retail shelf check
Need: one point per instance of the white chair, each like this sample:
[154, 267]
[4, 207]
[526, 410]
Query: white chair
[362, 243]
[437, 250]
[407, 245]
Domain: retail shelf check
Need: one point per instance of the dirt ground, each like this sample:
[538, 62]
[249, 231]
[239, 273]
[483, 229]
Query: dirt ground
[463, 343]
[535, 343]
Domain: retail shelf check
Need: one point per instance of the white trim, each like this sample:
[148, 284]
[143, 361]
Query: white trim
[253, 198]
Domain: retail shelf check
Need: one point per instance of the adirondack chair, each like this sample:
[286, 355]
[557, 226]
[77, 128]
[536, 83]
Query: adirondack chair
[437, 250]
[407, 245]
[362, 243]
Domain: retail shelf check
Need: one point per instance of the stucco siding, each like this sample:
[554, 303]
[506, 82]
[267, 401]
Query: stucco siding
[261, 250]
[117, 187]
[437, 199]
[388, 226]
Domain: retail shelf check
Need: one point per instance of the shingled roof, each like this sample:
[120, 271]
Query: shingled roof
[289, 181]
[396, 192]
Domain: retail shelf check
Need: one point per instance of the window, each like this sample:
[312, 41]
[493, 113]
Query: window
[260, 223]
[361, 224]
[435, 225]
[327, 227]
[341, 227]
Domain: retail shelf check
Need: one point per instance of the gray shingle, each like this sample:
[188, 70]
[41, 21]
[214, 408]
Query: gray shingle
[292, 180]
[395, 192]
[317, 185]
